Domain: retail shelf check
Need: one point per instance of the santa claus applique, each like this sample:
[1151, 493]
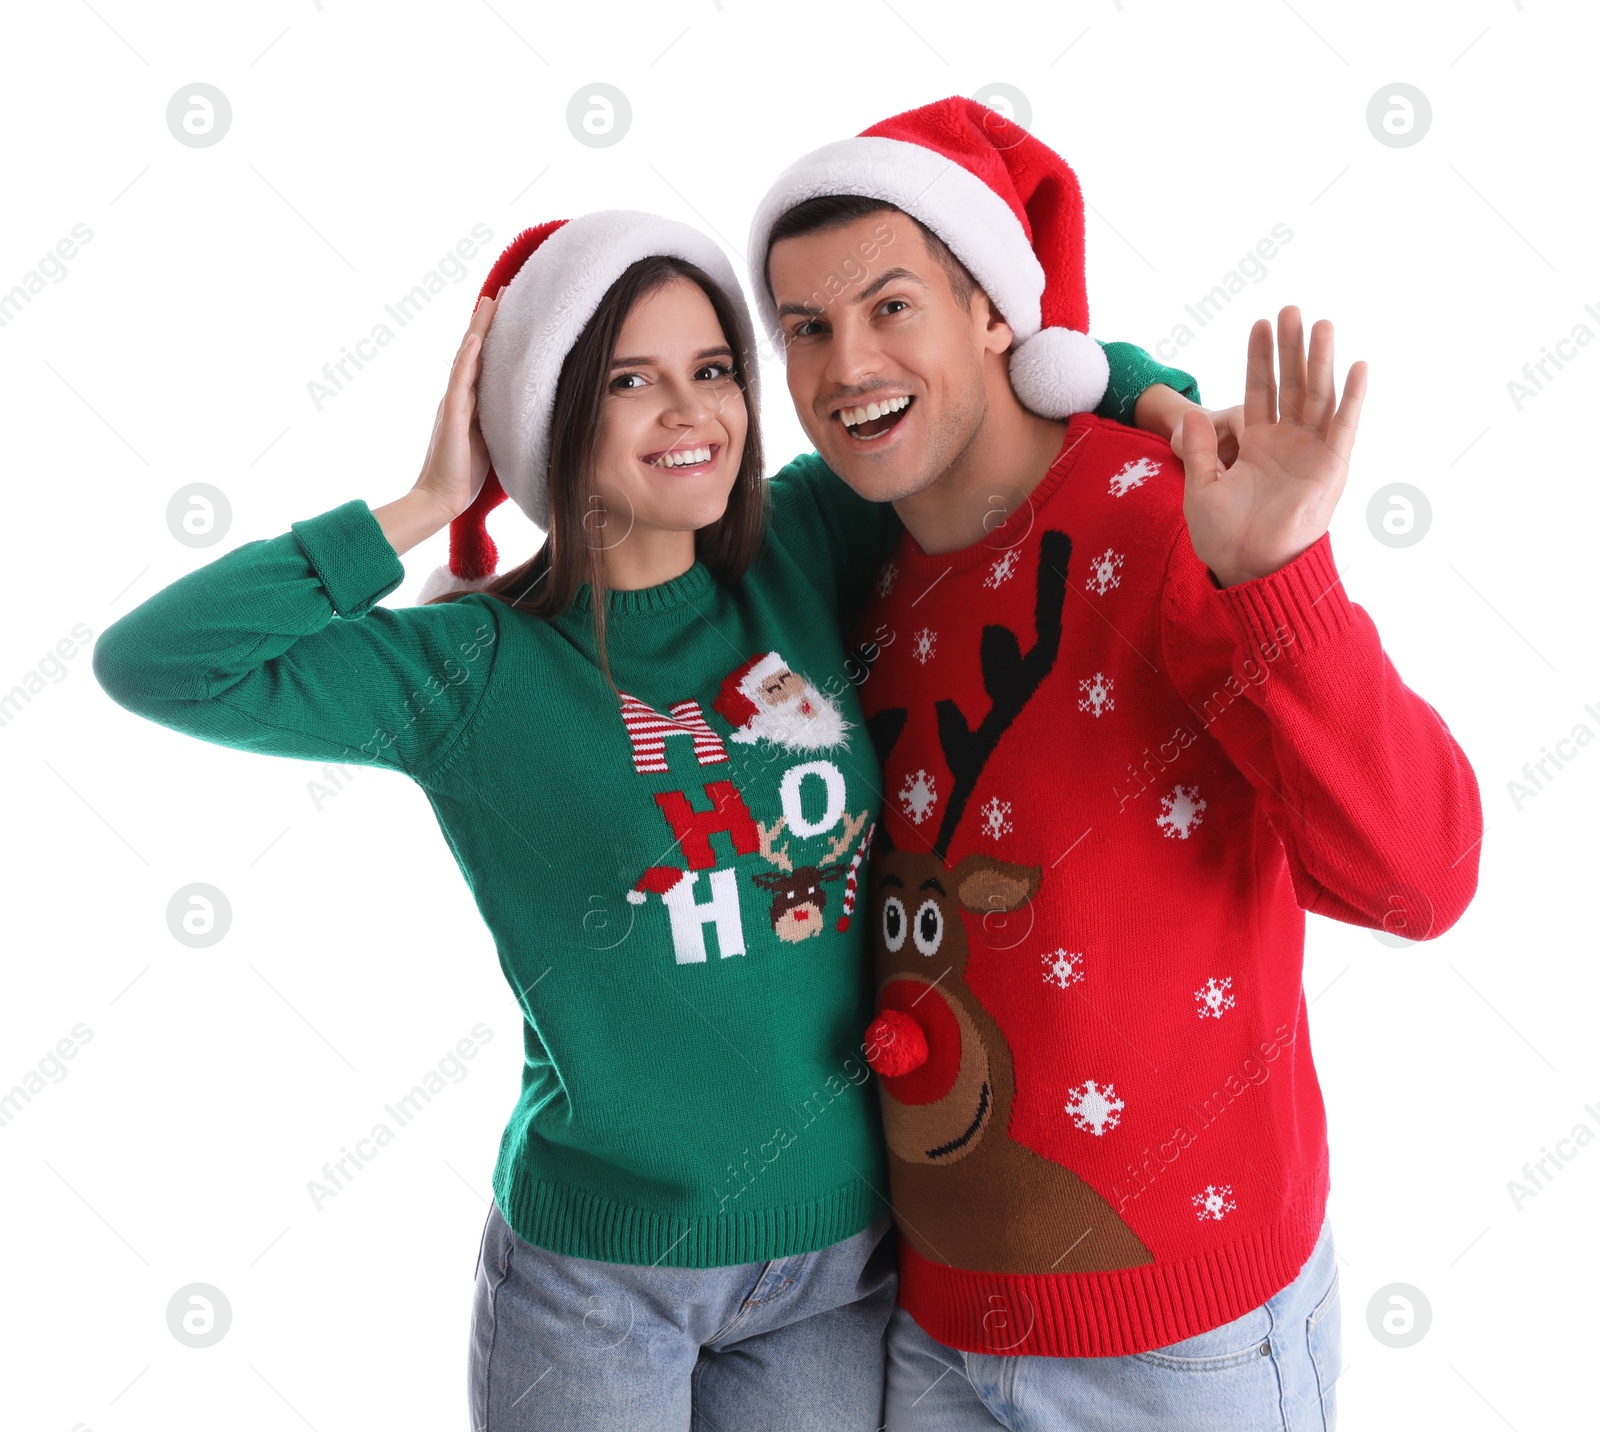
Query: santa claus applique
[767, 700]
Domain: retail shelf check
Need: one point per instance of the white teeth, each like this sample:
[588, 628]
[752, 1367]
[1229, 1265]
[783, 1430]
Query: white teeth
[851, 417]
[684, 457]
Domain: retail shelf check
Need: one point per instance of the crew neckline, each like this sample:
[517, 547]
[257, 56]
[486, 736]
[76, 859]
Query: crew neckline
[649, 601]
[1014, 530]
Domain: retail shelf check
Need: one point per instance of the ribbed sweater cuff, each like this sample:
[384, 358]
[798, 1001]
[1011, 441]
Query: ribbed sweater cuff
[351, 556]
[1295, 609]
[1132, 371]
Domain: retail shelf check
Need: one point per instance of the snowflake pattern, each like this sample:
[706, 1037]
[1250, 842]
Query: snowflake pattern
[917, 796]
[1180, 811]
[1094, 1109]
[1096, 698]
[1063, 969]
[996, 815]
[886, 578]
[1103, 572]
[1132, 474]
[1215, 999]
[1214, 1202]
[1002, 570]
[922, 645]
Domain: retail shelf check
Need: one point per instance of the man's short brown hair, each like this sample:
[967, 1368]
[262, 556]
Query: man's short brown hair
[832, 211]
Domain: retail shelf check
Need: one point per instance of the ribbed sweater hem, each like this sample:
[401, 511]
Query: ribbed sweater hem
[585, 1225]
[1111, 1314]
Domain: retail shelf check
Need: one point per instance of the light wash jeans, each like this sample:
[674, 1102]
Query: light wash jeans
[1272, 1370]
[796, 1343]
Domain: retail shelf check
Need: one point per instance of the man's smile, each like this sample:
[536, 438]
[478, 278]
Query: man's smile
[871, 420]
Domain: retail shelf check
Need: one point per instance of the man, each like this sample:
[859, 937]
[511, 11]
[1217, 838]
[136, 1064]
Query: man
[1132, 727]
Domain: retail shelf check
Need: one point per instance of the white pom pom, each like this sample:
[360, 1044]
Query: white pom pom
[1059, 372]
[441, 580]
[636, 897]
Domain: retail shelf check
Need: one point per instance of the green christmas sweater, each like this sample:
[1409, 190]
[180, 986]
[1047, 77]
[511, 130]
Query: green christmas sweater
[669, 878]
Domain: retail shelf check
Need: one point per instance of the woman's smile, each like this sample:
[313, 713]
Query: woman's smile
[690, 459]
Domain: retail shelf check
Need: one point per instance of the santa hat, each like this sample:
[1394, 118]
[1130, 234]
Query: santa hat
[1005, 204]
[735, 701]
[556, 274]
[657, 880]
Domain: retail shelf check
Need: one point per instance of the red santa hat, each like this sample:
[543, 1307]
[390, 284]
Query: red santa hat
[657, 880]
[1005, 204]
[736, 702]
[556, 274]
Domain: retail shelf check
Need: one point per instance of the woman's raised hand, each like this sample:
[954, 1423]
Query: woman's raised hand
[458, 460]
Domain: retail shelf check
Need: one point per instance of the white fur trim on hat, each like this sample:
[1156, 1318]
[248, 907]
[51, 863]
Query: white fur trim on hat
[441, 581]
[978, 226]
[540, 316]
[1059, 372]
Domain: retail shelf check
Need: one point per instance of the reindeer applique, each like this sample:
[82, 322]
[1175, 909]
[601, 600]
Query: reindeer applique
[798, 897]
[946, 1079]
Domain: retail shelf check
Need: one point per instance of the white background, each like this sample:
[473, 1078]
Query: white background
[366, 141]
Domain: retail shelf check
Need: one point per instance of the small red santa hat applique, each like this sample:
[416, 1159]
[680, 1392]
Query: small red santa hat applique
[555, 276]
[1007, 205]
[657, 880]
[736, 702]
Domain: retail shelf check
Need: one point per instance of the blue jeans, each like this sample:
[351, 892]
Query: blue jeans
[564, 1343]
[1272, 1370]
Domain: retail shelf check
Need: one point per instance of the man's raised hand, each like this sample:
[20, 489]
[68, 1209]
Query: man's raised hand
[1278, 496]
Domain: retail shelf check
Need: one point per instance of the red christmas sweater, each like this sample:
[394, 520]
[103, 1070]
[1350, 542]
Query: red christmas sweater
[1111, 791]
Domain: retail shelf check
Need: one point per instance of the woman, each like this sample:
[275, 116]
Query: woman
[644, 750]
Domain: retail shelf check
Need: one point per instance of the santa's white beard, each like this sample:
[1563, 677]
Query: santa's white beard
[789, 727]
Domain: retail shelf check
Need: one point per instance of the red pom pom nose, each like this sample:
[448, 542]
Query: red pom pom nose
[896, 1044]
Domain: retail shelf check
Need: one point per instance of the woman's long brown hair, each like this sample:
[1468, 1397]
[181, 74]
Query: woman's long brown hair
[547, 582]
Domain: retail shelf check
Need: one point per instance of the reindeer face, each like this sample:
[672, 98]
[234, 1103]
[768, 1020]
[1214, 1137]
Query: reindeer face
[797, 901]
[798, 898]
[938, 1090]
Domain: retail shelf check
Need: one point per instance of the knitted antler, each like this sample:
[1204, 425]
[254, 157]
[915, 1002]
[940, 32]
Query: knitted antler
[884, 728]
[1009, 678]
